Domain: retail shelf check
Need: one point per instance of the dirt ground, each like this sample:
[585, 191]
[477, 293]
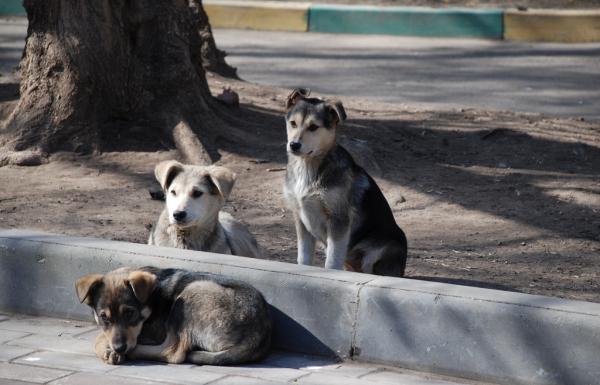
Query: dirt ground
[490, 199]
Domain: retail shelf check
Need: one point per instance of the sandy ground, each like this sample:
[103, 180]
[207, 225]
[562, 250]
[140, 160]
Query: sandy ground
[491, 199]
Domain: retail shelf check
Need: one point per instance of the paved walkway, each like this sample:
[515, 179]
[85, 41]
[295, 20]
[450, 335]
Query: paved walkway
[40, 350]
[555, 79]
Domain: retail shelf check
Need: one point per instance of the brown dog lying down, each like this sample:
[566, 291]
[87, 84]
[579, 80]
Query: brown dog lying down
[176, 316]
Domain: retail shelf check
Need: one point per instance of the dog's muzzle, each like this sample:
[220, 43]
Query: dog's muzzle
[295, 147]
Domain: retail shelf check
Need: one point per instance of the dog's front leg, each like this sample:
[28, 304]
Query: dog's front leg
[337, 247]
[306, 243]
[105, 352]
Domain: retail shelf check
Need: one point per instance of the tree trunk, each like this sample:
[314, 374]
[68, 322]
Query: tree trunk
[213, 59]
[108, 74]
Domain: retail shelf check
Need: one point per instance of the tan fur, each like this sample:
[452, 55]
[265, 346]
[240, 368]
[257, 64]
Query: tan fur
[207, 228]
[207, 319]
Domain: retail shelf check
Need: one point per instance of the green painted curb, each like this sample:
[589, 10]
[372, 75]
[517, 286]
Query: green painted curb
[12, 8]
[408, 21]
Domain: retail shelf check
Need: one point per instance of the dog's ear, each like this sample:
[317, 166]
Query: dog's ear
[223, 178]
[166, 171]
[336, 112]
[85, 287]
[295, 95]
[142, 283]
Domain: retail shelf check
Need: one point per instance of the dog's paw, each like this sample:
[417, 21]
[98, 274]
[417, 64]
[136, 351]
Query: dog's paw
[113, 358]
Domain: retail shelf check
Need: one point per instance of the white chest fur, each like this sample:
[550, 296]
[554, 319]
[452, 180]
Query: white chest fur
[306, 199]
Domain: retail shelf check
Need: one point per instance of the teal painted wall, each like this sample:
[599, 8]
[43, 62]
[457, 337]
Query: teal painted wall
[408, 21]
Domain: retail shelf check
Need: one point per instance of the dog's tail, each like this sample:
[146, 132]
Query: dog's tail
[235, 355]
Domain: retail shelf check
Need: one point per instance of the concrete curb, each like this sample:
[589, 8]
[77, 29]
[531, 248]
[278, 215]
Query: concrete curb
[12, 8]
[564, 26]
[482, 334]
[406, 21]
[568, 26]
[263, 15]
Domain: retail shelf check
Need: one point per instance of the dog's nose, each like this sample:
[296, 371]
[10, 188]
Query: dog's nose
[179, 215]
[295, 146]
[120, 348]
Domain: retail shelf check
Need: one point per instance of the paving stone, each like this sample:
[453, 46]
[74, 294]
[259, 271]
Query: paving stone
[29, 373]
[353, 370]
[296, 361]
[393, 377]
[102, 379]
[45, 325]
[7, 335]
[64, 343]
[326, 378]
[69, 361]
[15, 382]
[237, 380]
[272, 373]
[181, 374]
[8, 353]
[89, 335]
[317, 364]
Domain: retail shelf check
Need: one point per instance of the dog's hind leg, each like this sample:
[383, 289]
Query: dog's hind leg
[233, 356]
[392, 261]
[163, 352]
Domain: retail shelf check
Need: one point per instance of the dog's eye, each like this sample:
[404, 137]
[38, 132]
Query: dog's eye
[197, 193]
[293, 124]
[173, 193]
[313, 127]
[129, 314]
[104, 318]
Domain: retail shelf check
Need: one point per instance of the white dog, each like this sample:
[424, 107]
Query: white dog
[192, 218]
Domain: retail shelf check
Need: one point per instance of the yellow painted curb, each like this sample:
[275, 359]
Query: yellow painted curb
[562, 26]
[263, 15]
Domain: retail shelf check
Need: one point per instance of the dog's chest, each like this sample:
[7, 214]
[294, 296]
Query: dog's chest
[306, 199]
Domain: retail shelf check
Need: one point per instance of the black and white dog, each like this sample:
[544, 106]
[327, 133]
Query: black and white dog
[333, 199]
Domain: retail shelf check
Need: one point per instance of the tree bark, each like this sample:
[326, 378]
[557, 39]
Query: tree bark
[213, 59]
[107, 73]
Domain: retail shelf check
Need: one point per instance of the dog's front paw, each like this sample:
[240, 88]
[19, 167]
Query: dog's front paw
[113, 358]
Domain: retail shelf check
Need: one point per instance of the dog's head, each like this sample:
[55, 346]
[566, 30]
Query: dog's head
[311, 123]
[194, 194]
[119, 300]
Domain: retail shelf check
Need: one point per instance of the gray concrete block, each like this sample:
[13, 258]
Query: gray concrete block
[181, 374]
[65, 343]
[8, 353]
[8, 335]
[14, 382]
[272, 373]
[236, 380]
[67, 361]
[297, 361]
[331, 379]
[29, 373]
[45, 326]
[102, 379]
[479, 333]
[393, 377]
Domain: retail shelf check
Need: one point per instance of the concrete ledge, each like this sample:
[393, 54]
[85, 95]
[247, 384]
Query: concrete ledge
[564, 26]
[12, 8]
[408, 21]
[469, 332]
[263, 15]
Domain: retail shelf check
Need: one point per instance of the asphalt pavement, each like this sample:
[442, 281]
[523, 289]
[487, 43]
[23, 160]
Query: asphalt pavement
[548, 78]
[555, 79]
